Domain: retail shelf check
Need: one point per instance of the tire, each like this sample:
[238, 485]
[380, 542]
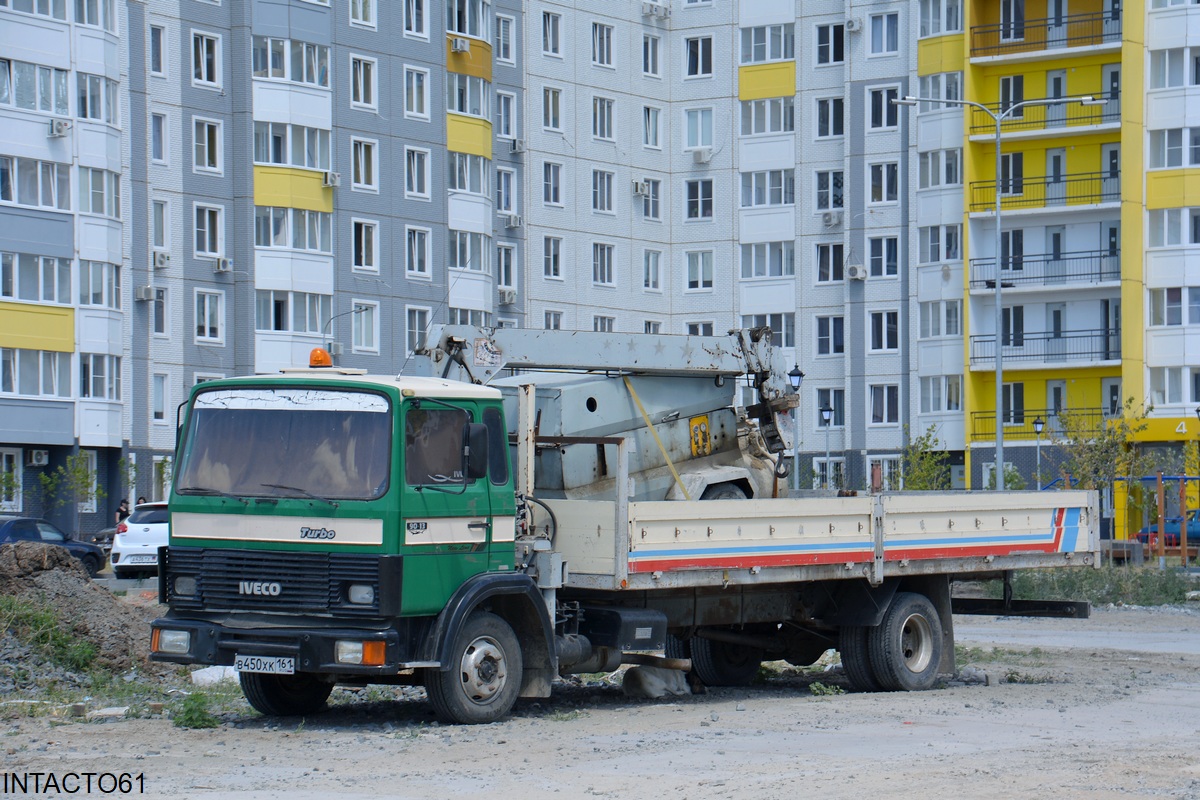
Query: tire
[724, 664]
[906, 649]
[285, 695]
[485, 672]
[92, 565]
[676, 647]
[723, 491]
[856, 662]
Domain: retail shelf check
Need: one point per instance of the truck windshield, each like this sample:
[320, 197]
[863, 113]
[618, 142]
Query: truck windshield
[287, 443]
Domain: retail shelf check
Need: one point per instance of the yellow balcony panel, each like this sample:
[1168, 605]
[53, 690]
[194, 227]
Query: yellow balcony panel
[31, 327]
[476, 61]
[1169, 429]
[469, 135]
[288, 187]
[1172, 188]
[941, 54]
[761, 81]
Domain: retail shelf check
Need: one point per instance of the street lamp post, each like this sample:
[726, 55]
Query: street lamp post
[796, 377]
[329, 323]
[1038, 424]
[826, 419]
[998, 118]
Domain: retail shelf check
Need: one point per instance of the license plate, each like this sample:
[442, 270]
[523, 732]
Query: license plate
[275, 665]
[143, 559]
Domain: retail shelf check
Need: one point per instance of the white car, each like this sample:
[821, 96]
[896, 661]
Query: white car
[135, 545]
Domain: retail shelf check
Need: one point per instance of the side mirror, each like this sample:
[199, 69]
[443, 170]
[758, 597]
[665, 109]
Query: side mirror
[475, 451]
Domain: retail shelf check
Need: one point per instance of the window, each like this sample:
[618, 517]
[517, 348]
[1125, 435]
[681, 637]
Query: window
[98, 13]
[159, 232]
[650, 50]
[467, 94]
[551, 103]
[416, 172]
[294, 312]
[829, 190]
[768, 43]
[470, 251]
[99, 192]
[506, 181]
[1174, 226]
[416, 92]
[99, 377]
[885, 330]
[830, 263]
[602, 264]
[506, 265]
[652, 270]
[1012, 173]
[1166, 68]
[651, 205]
[362, 84]
[698, 57]
[552, 320]
[940, 318]
[1166, 306]
[885, 34]
[939, 168]
[939, 86]
[470, 17]
[1012, 249]
[552, 184]
[468, 173]
[365, 245]
[206, 60]
[97, 98]
[884, 252]
[210, 234]
[768, 259]
[699, 127]
[650, 126]
[831, 44]
[11, 479]
[416, 324]
[362, 12]
[652, 326]
[290, 60]
[830, 113]
[414, 19]
[365, 327]
[1167, 150]
[25, 276]
[35, 372]
[783, 327]
[775, 187]
[602, 118]
[940, 16]
[1012, 92]
[941, 393]
[506, 125]
[417, 249]
[34, 87]
[210, 317]
[207, 142]
[56, 9]
[602, 37]
[158, 136]
[699, 199]
[834, 399]
[699, 329]
[297, 145]
[1013, 395]
[831, 336]
[503, 44]
[885, 182]
[294, 228]
[1166, 385]
[885, 404]
[939, 243]
[363, 165]
[774, 115]
[883, 110]
[552, 257]
[1012, 326]
[700, 269]
[29, 182]
[551, 25]
[604, 324]
[158, 312]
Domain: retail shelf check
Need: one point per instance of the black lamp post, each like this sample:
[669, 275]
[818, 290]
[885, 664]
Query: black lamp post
[1038, 424]
[826, 419]
[797, 378]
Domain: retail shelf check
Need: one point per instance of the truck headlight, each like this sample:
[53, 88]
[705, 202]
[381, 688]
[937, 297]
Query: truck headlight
[165, 640]
[352, 651]
[362, 594]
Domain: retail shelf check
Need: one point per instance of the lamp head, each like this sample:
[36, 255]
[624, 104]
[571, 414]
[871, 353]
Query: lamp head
[796, 376]
[907, 100]
[826, 414]
[1088, 100]
[1038, 424]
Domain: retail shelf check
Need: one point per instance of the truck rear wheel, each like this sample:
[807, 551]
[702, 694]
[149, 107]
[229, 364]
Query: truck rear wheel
[484, 678]
[853, 644]
[906, 648]
[284, 695]
[724, 664]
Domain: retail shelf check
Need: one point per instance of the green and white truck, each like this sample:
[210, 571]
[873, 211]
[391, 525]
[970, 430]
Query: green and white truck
[549, 502]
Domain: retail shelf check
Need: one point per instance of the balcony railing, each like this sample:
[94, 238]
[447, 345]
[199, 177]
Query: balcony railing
[1067, 347]
[1084, 266]
[1018, 424]
[1051, 33]
[1048, 117]
[1046, 191]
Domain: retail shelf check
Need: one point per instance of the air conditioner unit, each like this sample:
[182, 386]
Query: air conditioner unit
[856, 272]
[508, 297]
[37, 458]
[143, 293]
[58, 128]
[460, 45]
[853, 24]
[512, 220]
[518, 145]
[703, 155]
[663, 12]
[222, 265]
[656, 10]
[831, 218]
[160, 259]
[331, 179]
[336, 349]
[641, 188]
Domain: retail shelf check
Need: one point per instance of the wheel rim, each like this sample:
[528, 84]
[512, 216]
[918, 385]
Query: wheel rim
[483, 670]
[916, 643]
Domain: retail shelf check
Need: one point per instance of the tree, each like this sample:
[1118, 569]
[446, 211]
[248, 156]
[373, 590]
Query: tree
[1012, 479]
[923, 464]
[73, 483]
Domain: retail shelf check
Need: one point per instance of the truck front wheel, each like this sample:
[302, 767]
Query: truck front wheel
[484, 678]
[284, 695]
[906, 648]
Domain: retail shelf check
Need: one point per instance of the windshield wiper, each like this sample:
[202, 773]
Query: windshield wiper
[207, 492]
[304, 492]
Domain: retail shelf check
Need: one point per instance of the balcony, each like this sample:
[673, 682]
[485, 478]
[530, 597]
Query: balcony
[1047, 119]
[1068, 347]
[1080, 267]
[1019, 426]
[1052, 33]
[1048, 191]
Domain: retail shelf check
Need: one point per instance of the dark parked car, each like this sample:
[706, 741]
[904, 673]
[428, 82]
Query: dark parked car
[31, 529]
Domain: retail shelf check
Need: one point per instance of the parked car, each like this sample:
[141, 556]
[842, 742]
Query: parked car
[102, 539]
[32, 529]
[1171, 530]
[135, 545]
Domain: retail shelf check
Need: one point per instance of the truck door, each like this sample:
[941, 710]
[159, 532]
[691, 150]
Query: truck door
[446, 519]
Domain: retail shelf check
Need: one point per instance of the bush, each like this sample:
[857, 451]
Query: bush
[36, 624]
[1139, 586]
[193, 713]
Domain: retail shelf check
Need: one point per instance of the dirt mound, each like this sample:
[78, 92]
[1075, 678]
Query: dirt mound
[119, 631]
